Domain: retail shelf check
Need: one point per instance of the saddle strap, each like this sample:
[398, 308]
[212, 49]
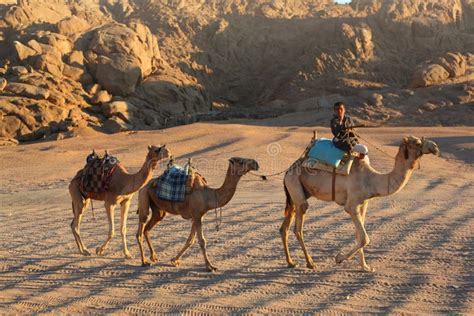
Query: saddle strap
[333, 184]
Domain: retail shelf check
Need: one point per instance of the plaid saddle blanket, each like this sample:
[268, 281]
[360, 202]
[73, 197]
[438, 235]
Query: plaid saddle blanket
[171, 185]
[97, 173]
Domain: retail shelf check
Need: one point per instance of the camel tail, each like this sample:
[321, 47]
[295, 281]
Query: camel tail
[289, 208]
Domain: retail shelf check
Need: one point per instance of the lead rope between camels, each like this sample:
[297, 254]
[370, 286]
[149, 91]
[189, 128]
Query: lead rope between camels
[265, 177]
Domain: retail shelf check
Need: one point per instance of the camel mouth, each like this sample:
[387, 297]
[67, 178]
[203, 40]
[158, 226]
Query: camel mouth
[430, 147]
[253, 165]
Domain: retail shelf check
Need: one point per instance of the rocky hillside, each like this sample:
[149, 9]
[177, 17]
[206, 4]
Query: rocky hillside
[114, 65]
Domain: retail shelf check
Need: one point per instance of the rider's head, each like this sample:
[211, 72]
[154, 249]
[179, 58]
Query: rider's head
[339, 109]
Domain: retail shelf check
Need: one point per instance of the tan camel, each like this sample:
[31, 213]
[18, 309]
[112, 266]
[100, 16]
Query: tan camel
[353, 192]
[194, 207]
[121, 189]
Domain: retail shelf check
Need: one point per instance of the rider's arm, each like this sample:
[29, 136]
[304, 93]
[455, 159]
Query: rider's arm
[335, 127]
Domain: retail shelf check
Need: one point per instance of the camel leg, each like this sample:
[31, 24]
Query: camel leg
[156, 216]
[192, 237]
[143, 212]
[125, 205]
[284, 236]
[79, 205]
[109, 208]
[300, 214]
[363, 263]
[202, 242]
[361, 235]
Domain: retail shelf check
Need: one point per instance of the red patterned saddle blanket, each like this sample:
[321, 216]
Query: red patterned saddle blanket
[97, 173]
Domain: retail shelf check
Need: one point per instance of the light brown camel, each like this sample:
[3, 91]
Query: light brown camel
[194, 207]
[353, 192]
[120, 191]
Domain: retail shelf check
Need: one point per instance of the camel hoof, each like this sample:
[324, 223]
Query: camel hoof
[99, 251]
[310, 265]
[292, 265]
[86, 252]
[211, 268]
[339, 258]
[175, 262]
[368, 269]
[128, 256]
[146, 264]
[154, 258]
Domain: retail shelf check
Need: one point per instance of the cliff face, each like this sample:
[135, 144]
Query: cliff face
[168, 60]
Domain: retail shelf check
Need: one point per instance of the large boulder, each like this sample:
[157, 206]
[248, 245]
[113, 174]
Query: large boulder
[50, 62]
[27, 90]
[169, 95]
[119, 75]
[115, 125]
[75, 73]
[34, 44]
[122, 109]
[71, 26]
[454, 63]
[429, 75]
[76, 58]
[17, 16]
[57, 41]
[23, 51]
[120, 56]
[101, 97]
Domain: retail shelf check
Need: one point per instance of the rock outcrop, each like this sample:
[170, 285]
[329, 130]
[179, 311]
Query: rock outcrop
[123, 64]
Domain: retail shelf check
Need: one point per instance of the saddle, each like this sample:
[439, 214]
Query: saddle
[97, 174]
[176, 182]
[321, 154]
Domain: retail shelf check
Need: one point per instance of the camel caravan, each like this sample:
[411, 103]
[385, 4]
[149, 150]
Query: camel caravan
[346, 178]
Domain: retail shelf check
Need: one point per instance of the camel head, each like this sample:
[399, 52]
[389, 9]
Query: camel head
[240, 166]
[414, 147]
[157, 153]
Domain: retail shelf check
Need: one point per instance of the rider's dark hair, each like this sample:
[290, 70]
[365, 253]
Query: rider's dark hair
[338, 104]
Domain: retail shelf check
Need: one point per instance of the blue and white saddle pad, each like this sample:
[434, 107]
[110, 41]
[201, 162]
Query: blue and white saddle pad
[326, 152]
[171, 185]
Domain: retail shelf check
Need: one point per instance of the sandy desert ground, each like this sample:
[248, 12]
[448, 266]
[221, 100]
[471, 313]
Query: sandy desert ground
[422, 239]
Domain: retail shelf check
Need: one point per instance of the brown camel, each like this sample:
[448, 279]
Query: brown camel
[353, 192]
[194, 207]
[120, 191]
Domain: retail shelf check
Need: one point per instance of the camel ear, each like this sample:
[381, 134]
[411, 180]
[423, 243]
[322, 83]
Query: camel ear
[405, 140]
[149, 147]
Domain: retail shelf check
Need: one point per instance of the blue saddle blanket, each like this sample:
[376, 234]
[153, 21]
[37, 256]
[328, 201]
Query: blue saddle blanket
[171, 184]
[326, 152]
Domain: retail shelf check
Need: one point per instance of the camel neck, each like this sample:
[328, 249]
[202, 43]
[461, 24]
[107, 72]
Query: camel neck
[394, 181]
[136, 181]
[221, 196]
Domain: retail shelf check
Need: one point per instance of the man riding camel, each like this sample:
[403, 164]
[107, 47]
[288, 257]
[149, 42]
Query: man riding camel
[342, 129]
